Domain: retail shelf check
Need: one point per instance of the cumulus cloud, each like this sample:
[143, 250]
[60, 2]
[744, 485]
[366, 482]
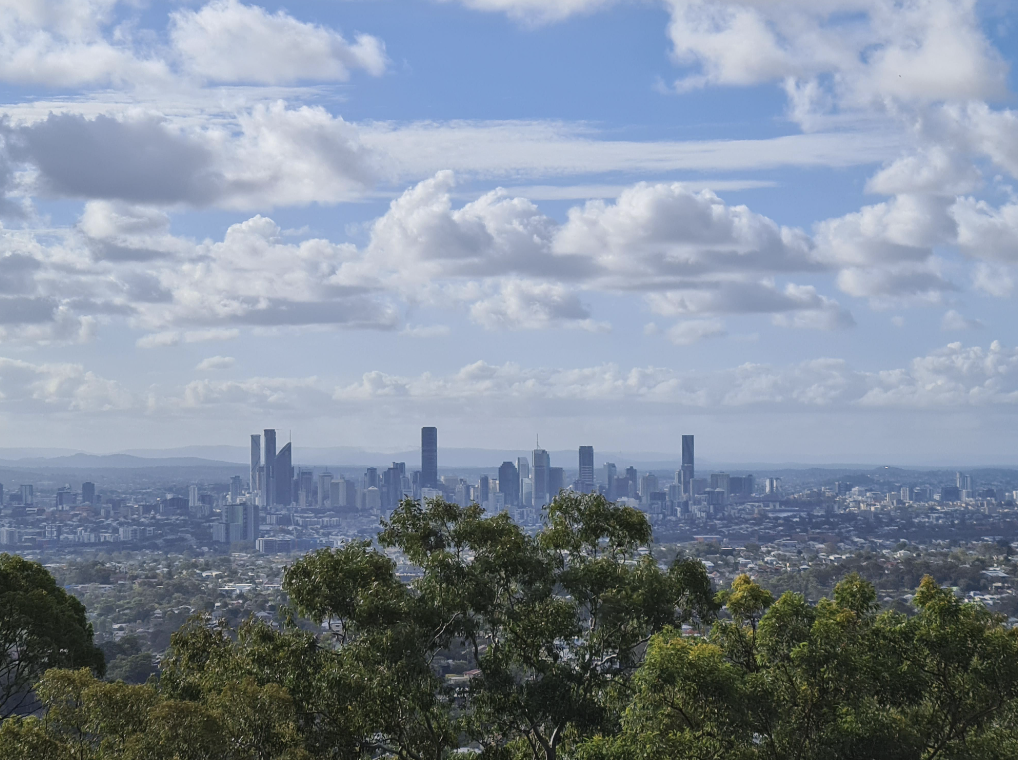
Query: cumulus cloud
[215, 362]
[85, 43]
[871, 50]
[275, 155]
[953, 321]
[63, 387]
[694, 330]
[527, 305]
[953, 376]
[229, 42]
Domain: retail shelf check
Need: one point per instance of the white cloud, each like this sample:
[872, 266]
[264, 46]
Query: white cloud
[270, 155]
[985, 232]
[61, 387]
[694, 330]
[226, 41]
[215, 362]
[993, 279]
[954, 376]
[528, 305]
[539, 11]
[544, 149]
[871, 50]
[953, 321]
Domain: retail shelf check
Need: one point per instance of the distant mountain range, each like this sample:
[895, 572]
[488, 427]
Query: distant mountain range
[347, 456]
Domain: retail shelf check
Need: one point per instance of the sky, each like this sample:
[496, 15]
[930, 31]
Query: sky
[789, 227]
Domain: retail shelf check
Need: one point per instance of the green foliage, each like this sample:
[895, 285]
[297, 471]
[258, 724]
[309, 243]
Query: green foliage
[834, 681]
[577, 644]
[41, 627]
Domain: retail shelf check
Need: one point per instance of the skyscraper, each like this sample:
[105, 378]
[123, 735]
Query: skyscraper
[526, 484]
[87, 493]
[586, 469]
[542, 463]
[325, 489]
[269, 473]
[282, 475]
[256, 461]
[556, 481]
[483, 486]
[429, 457]
[509, 483]
[688, 471]
[235, 486]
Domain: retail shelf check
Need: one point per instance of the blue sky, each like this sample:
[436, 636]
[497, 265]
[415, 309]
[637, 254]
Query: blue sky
[787, 226]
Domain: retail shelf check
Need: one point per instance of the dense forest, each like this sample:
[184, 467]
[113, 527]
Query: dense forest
[581, 645]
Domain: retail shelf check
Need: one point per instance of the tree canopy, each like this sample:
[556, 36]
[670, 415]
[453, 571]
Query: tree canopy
[578, 644]
[41, 627]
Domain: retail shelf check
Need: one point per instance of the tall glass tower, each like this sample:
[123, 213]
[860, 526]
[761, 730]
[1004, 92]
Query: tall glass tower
[688, 471]
[269, 473]
[429, 457]
[586, 469]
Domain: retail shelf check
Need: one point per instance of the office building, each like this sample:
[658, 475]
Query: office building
[269, 468]
[484, 486]
[325, 489]
[370, 478]
[256, 462]
[509, 483]
[688, 469]
[282, 476]
[610, 472]
[235, 489]
[429, 457]
[963, 481]
[305, 487]
[556, 481]
[539, 476]
[192, 496]
[586, 478]
[27, 495]
[721, 481]
[87, 493]
[648, 485]
[523, 468]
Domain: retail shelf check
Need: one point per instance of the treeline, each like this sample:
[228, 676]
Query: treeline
[581, 647]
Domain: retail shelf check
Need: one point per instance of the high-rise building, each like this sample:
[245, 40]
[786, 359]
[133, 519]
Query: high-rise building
[556, 481]
[235, 488]
[256, 461]
[27, 495]
[429, 457]
[688, 470]
[282, 476]
[610, 472]
[484, 487]
[192, 496]
[509, 483]
[305, 487]
[648, 485]
[586, 478]
[269, 471]
[721, 481]
[542, 463]
[325, 489]
[523, 469]
[371, 478]
[87, 493]
[963, 481]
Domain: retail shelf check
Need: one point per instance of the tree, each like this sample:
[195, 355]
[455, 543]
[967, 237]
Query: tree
[41, 627]
[834, 681]
[556, 623]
